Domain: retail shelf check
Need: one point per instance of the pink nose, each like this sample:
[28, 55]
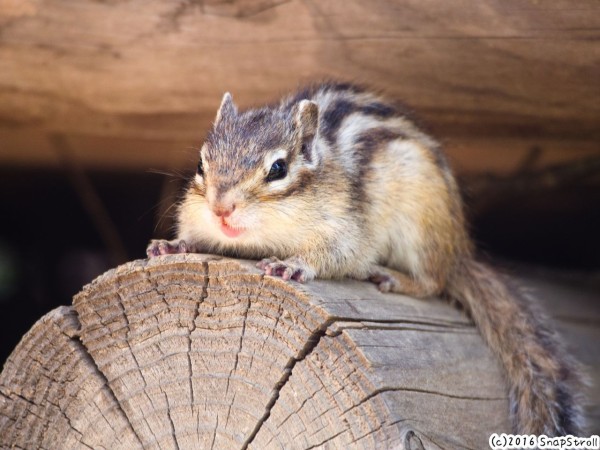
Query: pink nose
[223, 210]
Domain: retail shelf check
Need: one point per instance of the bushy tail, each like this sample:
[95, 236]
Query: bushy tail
[543, 380]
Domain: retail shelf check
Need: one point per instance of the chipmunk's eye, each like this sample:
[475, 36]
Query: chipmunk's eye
[278, 170]
[200, 169]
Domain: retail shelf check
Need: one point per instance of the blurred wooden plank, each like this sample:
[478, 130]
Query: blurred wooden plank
[138, 71]
[24, 148]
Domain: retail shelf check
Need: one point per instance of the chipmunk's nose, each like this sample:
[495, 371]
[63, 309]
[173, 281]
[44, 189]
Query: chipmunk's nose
[221, 210]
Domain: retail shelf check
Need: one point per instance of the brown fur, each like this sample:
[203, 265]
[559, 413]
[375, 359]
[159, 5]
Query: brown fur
[367, 195]
[543, 379]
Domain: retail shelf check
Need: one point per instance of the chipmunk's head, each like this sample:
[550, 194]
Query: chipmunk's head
[252, 172]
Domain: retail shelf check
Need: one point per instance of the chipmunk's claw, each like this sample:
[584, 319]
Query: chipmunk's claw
[159, 247]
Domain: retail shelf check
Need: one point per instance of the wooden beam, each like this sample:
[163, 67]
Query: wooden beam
[150, 73]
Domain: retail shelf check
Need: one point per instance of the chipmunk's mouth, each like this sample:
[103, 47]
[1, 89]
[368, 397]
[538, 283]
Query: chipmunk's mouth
[228, 230]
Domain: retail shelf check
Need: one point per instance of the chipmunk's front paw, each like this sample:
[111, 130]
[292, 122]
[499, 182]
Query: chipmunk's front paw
[159, 247]
[290, 269]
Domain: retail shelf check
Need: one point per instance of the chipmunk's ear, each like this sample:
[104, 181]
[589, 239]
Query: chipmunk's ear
[227, 108]
[307, 122]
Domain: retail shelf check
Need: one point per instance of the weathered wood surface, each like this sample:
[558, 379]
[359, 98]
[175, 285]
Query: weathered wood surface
[136, 83]
[192, 351]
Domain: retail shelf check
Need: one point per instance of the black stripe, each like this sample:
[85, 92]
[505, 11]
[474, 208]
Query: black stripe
[366, 147]
[373, 138]
[380, 110]
[333, 117]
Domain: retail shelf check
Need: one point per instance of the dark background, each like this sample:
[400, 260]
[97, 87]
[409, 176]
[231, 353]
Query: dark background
[51, 245]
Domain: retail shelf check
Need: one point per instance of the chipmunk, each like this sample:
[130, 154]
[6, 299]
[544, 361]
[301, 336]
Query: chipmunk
[334, 181]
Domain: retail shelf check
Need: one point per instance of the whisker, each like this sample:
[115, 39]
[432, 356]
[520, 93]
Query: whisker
[152, 208]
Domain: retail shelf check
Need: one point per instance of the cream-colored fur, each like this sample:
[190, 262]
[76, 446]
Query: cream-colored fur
[368, 195]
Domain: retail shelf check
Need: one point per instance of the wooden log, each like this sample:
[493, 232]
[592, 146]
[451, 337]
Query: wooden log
[134, 84]
[196, 351]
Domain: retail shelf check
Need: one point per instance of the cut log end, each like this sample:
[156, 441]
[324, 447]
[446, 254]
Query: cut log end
[191, 351]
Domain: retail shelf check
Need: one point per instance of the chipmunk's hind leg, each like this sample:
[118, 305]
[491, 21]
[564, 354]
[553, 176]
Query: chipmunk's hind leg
[390, 280]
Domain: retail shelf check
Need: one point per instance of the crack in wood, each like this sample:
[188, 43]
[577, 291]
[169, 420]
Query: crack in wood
[203, 296]
[327, 440]
[173, 431]
[76, 340]
[71, 331]
[214, 436]
[382, 390]
[135, 360]
[442, 329]
[391, 324]
[310, 397]
[309, 346]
